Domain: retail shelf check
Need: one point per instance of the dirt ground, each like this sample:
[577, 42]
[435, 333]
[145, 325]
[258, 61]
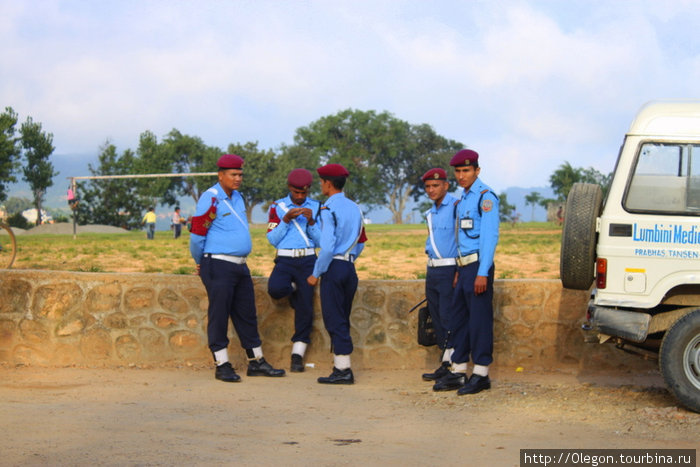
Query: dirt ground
[183, 416]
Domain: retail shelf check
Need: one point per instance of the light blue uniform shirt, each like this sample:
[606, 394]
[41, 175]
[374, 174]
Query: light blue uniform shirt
[443, 225]
[483, 237]
[286, 235]
[228, 233]
[341, 225]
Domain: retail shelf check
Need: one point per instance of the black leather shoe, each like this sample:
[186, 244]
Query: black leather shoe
[475, 384]
[338, 377]
[226, 373]
[437, 374]
[297, 365]
[450, 382]
[262, 368]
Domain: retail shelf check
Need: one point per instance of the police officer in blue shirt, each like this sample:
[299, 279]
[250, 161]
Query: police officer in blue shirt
[293, 230]
[476, 227]
[219, 243]
[342, 241]
[441, 248]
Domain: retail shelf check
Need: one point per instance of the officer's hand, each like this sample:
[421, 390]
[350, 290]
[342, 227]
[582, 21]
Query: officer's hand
[306, 212]
[291, 214]
[312, 281]
[196, 269]
[480, 284]
[454, 281]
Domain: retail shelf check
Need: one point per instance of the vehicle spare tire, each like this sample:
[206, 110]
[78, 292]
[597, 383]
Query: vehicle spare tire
[679, 360]
[578, 239]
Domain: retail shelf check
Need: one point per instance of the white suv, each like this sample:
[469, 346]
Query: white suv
[641, 246]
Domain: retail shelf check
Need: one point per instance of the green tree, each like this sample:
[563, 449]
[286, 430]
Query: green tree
[18, 220]
[563, 178]
[154, 158]
[116, 202]
[506, 211]
[566, 175]
[423, 150]
[13, 205]
[545, 202]
[189, 154]
[533, 199]
[38, 170]
[347, 138]
[384, 155]
[9, 150]
[258, 187]
[591, 175]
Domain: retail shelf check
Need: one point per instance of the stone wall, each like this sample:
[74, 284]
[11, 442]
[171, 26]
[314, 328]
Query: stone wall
[102, 319]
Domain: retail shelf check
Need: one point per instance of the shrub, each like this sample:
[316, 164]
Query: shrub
[18, 220]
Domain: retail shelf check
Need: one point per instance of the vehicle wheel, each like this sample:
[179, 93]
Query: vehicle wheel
[8, 246]
[578, 239]
[679, 360]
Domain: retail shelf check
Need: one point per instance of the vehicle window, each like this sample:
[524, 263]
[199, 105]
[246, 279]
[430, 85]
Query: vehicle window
[666, 178]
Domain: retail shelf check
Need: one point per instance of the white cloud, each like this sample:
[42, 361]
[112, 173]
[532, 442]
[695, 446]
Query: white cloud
[530, 83]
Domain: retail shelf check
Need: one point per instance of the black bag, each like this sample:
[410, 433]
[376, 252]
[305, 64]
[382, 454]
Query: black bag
[426, 331]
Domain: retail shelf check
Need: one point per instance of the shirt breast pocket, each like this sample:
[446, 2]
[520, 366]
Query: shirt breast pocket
[226, 220]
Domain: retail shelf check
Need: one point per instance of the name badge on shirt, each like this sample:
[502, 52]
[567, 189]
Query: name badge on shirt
[467, 223]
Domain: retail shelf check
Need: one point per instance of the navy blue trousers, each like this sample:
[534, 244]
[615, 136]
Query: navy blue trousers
[279, 285]
[473, 324]
[338, 287]
[231, 296]
[439, 292]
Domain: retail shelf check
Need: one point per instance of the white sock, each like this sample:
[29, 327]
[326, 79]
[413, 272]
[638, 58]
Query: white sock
[299, 348]
[221, 356]
[341, 362]
[481, 370]
[257, 353]
[447, 355]
[459, 367]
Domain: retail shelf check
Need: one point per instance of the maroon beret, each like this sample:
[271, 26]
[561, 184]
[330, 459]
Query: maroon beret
[300, 178]
[465, 157]
[332, 170]
[230, 161]
[435, 174]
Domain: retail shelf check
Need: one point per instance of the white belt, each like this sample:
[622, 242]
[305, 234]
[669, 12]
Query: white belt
[469, 259]
[229, 258]
[296, 252]
[350, 258]
[435, 262]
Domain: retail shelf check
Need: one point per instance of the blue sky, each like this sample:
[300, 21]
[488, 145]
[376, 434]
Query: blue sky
[528, 84]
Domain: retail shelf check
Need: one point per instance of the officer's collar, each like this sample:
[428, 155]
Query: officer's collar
[476, 187]
[444, 202]
[292, 203]
[340, 194]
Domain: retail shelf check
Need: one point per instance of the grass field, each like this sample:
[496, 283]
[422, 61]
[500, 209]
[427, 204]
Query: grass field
[526, 250]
